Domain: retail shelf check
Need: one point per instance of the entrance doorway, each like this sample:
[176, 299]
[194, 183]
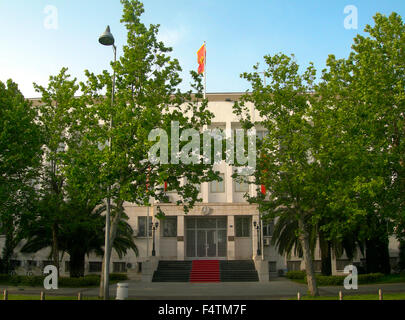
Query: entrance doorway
[206, 237]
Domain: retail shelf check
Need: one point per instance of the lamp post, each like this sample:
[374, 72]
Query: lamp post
[107, 39]
[257, 227]
[154, 228]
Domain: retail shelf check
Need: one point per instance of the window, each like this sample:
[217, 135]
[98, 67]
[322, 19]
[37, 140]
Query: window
[169, 227]
[342, 263]
[241, 186]
[317, 265]
[31, 263]
[119, 267]
[218, 186]
[294, 265]
[142, 226]
[95, 266]
[261, 134]
[243, 226]
[67, 266]
[268, 228]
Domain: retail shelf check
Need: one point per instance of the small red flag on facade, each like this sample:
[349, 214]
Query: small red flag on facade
[201, 57]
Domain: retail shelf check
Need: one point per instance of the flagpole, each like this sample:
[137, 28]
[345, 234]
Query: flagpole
[205, 71]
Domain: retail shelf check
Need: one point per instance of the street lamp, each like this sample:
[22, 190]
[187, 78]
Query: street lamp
[107, 39]
[154, 228]
[257, 227]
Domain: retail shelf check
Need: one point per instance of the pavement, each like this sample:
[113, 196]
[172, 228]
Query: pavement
[275, 289]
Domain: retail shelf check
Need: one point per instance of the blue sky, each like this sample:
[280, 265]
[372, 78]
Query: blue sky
[238, 35]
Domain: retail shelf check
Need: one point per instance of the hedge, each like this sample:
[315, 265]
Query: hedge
[296, 275]
[335, 280]
[38, 281]
[339, 280]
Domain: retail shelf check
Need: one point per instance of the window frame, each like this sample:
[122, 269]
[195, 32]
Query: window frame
[163, 222]
[244, 227]
[222, 175]
[144, 235]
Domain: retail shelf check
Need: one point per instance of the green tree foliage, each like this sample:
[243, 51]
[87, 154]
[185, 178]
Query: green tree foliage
[285, 163]
[147, 97]
[365, 93]
[20, 155]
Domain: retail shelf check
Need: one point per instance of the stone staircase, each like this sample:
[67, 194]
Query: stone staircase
[206, 271]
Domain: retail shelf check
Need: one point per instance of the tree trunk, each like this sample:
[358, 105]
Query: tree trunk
[113, 233]
[309, 266]
[76, 264]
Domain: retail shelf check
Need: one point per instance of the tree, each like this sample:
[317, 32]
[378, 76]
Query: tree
[20, 152]
[80, 233]
[147, 98]
[284, 164]
[366, 93]
[55, 112]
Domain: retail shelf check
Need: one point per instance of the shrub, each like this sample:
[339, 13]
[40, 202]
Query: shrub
[118, 277]
[296, 275]
[4, 278]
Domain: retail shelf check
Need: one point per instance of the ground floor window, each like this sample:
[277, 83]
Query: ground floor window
[272, 266]
[294, 265]
[243, 225]
[142, 226]
[119, 267]
[268, 228]
[95, 266]
[169, 227]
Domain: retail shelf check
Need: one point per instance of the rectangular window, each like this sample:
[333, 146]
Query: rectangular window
[142, 227]
[119, 267]
[169, 227]
[268, 228]
[67, 266]
[241, 186]
[95, 266]
[218, 186]
[294, 265]
[261, 134]
[243, 226]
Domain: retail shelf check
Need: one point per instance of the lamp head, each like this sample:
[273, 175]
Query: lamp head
[107, 39]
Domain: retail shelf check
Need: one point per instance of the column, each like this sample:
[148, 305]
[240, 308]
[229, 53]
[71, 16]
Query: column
[180, 238]
[231, 238]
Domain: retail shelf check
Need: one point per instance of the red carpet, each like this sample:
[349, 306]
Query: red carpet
[205, 271]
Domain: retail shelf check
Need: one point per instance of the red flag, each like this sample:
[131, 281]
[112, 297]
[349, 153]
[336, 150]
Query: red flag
[165, 186]
[201, 58]
[263, 189]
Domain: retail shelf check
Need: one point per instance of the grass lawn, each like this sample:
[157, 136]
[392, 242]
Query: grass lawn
[37, 297]
[388, 296]
[391, 278]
